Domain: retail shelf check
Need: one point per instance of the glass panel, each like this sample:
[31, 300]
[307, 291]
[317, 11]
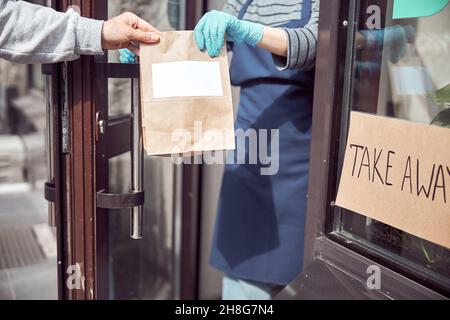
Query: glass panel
[163, 15]
[142, 269]
[28, 267]
[400, 70]
[119, 97]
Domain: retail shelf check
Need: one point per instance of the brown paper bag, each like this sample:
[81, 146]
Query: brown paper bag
[186, 97]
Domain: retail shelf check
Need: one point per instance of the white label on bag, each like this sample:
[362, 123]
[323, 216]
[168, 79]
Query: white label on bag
[187, 79]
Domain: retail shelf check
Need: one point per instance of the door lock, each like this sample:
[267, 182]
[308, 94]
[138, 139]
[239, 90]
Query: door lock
[101, 126]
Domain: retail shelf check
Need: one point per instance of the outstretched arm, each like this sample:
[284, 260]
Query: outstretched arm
[35, 34]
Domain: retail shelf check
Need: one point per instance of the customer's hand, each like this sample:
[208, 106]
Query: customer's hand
[122, 30]
[212, 27]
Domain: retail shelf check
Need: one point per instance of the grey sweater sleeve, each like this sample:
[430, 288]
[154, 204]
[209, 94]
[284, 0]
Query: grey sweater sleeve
[302, 44]
[232, 7]
[35, 34]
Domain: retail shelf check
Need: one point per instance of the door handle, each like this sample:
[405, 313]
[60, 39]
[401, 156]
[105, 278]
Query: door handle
[135, 199]
[50, 145]
[137, 160]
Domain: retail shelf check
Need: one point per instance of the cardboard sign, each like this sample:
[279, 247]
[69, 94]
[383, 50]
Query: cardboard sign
[398, 172]
[186, 97]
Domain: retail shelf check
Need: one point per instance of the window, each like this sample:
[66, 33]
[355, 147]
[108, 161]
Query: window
[397, 68]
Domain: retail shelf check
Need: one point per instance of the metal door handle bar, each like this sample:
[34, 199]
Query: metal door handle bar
[119, 128]
[49, 188]
[137, 160]
[135, 199]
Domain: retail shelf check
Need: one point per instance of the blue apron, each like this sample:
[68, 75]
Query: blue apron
[260, 222]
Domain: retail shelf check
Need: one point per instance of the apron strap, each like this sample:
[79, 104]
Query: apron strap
[244, 9]
[306, 10]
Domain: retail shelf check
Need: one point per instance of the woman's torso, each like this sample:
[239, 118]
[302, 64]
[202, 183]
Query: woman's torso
[260, 222]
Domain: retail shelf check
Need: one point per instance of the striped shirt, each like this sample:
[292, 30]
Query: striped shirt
[302, 42]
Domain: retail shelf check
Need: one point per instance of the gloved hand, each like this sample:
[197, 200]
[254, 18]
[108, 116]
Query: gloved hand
[127, 56]
[212, 27]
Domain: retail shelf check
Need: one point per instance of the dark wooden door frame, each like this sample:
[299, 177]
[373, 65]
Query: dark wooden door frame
[77, 172]
[330, 51]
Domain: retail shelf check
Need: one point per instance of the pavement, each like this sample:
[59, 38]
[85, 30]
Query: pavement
[26, 275]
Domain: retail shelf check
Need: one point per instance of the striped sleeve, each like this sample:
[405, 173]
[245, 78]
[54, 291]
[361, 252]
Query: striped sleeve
[302, 44]
[232, 7]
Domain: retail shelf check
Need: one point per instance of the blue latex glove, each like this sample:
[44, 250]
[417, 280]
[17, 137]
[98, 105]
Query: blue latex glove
[127, 56]
[212, 27]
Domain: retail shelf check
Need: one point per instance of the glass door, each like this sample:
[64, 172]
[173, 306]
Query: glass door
[127, 223]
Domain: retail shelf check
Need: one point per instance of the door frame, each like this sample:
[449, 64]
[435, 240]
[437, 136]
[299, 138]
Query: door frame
[80, 250]
[81, 169]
